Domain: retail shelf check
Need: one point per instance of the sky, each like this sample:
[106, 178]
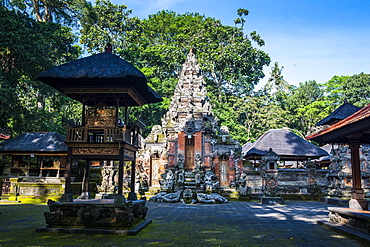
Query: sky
[311, 39]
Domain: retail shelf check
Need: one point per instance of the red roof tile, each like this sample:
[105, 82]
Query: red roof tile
[364, 113]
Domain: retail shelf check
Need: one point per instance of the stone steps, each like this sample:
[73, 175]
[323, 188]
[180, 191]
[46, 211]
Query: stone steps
[230, 194]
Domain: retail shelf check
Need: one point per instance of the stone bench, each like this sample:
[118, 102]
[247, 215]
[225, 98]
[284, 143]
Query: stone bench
[360, 219]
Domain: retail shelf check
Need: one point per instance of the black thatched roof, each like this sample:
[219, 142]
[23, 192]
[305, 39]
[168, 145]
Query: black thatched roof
[340, 113]
[104, 70]
[286, 144]
[35, 142]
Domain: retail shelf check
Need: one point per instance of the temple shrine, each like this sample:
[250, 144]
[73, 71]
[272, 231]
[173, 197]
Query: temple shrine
[189, 150]
[105, 84]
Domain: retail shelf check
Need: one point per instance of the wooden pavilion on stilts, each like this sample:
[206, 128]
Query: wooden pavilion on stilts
[104, 83]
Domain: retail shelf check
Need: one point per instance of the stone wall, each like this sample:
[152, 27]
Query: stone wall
[290, 181]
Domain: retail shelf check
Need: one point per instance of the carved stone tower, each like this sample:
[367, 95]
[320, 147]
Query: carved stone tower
[190, 144]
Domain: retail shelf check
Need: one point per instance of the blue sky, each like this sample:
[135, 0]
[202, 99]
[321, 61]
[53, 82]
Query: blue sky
[312, 39]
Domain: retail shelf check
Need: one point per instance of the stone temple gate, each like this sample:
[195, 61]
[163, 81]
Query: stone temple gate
[189, 150]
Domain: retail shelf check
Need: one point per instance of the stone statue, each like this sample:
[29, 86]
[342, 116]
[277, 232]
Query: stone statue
[210, 181]
[210, 198]
[166, 197]
[142, 176]
[188, 196]
[107, 185]
[167, 182]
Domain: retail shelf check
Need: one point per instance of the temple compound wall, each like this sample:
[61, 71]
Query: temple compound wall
[333, 180]
[189, 150]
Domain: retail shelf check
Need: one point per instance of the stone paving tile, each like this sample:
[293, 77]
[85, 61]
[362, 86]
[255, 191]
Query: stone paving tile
[245, 224]
[231, 224]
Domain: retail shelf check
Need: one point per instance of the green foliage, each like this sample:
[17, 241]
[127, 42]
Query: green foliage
[106, 23]
[27, 48]
[231, 62]
[66, 12]
[357, 90]
[249, 117]
[159, 44]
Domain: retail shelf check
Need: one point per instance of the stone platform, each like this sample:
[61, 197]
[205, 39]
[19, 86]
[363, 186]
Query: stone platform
[96, 215]
[358, 219]
[272, 200]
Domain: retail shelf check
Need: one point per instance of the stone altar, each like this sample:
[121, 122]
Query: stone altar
[94, 214]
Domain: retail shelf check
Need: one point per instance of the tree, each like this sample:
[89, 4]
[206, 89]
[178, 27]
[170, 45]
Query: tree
[27, 48]
[107, 23]
[66, 12]
[276, 83]
[307, 105]
[158, 46]
[356, 89]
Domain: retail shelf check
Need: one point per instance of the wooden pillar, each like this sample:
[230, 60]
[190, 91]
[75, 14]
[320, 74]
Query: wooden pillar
[83, 123]
[132, 195]
[357, 201]
[86, 177]
[67, 196]
[120, 169]
[355, 162]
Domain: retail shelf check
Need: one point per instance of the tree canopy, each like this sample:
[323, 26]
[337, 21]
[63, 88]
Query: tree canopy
[38, 36]
[28, 47]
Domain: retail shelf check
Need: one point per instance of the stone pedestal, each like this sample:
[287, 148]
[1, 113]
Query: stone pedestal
[272, 200]
[66, 198]
[359, 220]
[132, 196]
[104, 213]
[85, 195]
[358, 201]
[357, 204]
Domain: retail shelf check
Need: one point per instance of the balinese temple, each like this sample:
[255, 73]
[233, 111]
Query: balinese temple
[353, 131]
[189, 150]
[339, 161]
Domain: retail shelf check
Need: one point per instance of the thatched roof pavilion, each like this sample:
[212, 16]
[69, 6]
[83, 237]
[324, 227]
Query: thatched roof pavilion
[103, 77]
[355, 131]
[355, 127]
[340, 113]
[35, 142]
[286, 144]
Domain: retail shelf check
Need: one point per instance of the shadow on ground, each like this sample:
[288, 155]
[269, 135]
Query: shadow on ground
[231, 224]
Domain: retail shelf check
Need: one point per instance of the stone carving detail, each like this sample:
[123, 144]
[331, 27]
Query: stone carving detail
[107, 179]
[142, 176]
[210, 181]
[95, 215]
[88, 213]
[188, 196]
[210, 198]
[168, 180]
[192, 141]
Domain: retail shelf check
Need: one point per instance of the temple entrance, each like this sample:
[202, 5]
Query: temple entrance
[154, 170]
[189, 153]
[223, 170]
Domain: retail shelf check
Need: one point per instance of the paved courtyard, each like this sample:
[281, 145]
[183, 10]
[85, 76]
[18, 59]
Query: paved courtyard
[231, 224]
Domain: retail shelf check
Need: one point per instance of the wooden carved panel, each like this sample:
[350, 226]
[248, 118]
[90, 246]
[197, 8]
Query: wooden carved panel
[223, 173]
[95, 151]
[189, 153]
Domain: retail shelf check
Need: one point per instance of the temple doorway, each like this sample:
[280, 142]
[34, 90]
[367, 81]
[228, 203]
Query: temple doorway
[154, 169]
[189, 153]
[224, 170]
